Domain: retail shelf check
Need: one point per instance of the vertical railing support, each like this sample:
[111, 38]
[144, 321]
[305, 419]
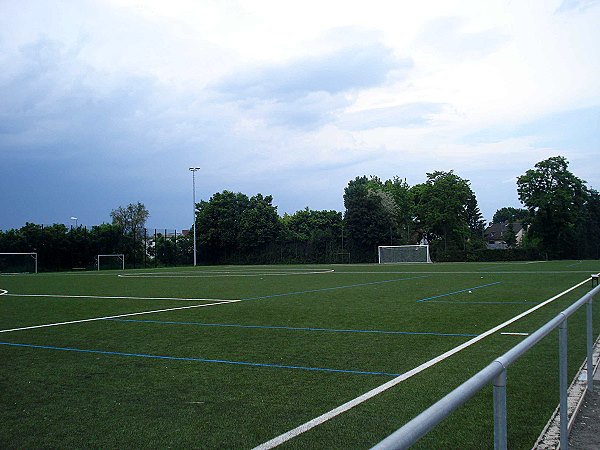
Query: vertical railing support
[563, 384]
[500, 435]
[590, 347]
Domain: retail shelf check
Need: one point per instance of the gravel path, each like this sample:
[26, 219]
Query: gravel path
[585, 434]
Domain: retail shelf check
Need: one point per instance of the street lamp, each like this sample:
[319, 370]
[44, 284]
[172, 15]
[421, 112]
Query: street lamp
[194, 170]
[75, 219]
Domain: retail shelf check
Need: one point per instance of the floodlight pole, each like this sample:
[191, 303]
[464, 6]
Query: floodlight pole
[75, 219]
[194, 170]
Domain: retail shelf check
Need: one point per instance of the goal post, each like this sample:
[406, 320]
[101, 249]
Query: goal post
[19, 262]
[396, 254]
[114, 261]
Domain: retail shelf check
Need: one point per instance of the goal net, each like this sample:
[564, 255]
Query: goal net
[394, 254]
[108, 262]
[18, 262]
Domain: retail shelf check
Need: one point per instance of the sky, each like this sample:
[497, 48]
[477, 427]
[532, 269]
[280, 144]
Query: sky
[106, 103]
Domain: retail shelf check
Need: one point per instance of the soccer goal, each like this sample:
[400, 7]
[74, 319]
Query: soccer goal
[18, 262]
[395, 254]
[110, 261]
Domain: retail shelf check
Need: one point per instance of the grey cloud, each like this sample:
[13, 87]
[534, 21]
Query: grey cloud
[407, 115]
[307, 112]
[309, 91]
[345, 70]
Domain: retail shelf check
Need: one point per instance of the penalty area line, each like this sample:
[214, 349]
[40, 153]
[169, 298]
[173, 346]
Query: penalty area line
[93, 319]
[276, 441]
[427, 299]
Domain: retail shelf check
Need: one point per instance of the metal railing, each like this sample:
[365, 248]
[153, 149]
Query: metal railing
[495, 373]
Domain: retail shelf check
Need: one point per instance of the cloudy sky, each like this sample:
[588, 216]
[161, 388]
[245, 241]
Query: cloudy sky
[105, 103]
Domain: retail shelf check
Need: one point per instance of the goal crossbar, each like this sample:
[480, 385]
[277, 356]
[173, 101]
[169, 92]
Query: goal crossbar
[396, 254]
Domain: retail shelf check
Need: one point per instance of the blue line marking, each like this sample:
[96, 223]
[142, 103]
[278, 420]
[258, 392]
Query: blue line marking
[333, 288]
[205, 360]
[273, 327]
[458, 292]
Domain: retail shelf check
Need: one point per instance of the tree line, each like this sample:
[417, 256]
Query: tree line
[66, 248]
[561, 216]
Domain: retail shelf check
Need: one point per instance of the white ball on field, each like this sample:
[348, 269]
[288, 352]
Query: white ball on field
[470, 292]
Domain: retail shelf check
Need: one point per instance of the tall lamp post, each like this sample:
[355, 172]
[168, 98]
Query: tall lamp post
[194, 170]
[75, 219]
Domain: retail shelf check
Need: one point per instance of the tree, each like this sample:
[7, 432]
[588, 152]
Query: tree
[588, 228]
[106, 239]
[446, 210]
[555, 199]
[218, 224]
[259, 223]
[132, 218]
[510, 237]
[367, 220]
[306, 224]
[233, 227]
[132, 221]
[404, 207]
[474, 217]
[508, 213]
[312, 236]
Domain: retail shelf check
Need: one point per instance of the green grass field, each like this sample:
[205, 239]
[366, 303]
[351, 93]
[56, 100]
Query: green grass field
[232, 357]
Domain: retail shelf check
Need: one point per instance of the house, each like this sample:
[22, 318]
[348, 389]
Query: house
[496, 234]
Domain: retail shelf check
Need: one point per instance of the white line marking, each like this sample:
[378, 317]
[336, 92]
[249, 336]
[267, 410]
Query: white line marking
[384, 387]
[515, 334]
[466, 272]
[224, 273]
[221, 302]
[3, 292]
[114, 298]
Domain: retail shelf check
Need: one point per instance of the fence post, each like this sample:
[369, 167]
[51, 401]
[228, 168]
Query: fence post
[500, 435]
[590, 347]
[563, 384]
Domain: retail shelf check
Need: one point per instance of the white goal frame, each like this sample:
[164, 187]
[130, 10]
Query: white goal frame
[121, 256]
[404, 248]
[34, 255]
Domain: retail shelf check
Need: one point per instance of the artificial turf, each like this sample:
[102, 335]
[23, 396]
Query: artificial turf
[297, 342]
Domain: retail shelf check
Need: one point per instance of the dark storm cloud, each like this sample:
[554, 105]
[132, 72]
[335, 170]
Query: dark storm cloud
[53, 106]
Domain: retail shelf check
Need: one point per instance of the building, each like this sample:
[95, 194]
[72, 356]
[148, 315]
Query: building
[496, 234]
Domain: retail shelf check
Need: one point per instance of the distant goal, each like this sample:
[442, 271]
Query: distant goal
[108, 262]
[19, 262]
[397, 254]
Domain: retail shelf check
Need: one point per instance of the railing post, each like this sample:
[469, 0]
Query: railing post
[563, 385]
[500, 435]
[590, 347]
